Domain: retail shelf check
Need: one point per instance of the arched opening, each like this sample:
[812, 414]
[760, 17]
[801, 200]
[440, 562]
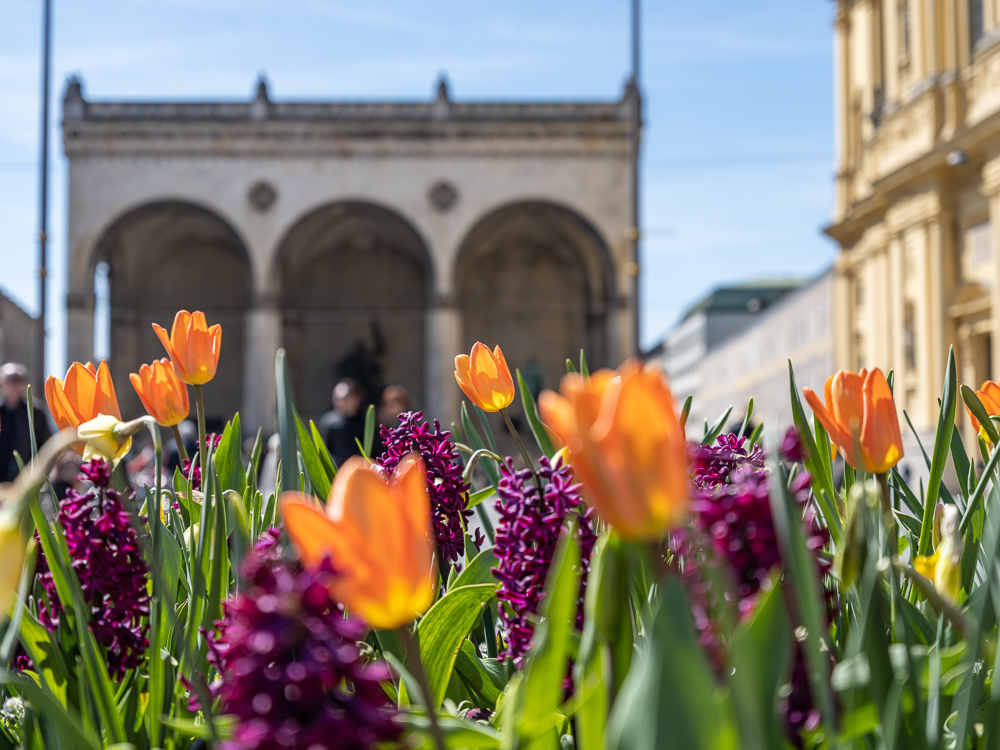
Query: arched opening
[354, 281]
[166, 257]
[536, 279]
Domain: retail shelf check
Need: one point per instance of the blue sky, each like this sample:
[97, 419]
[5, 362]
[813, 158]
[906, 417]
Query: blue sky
[738, 153]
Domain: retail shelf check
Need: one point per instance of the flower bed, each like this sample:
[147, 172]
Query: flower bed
[639, 590]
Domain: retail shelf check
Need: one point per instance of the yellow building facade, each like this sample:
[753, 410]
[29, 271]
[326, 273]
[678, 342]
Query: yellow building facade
[918, 193]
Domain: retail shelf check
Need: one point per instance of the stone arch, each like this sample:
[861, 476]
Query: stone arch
[353, 285]
[536, 278]
[167, 256]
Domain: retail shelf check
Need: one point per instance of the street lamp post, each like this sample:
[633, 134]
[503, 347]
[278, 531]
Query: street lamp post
[43, 198]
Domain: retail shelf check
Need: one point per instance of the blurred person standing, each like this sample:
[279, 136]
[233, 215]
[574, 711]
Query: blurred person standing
[344, 425]
[395, 400]
[15, 435]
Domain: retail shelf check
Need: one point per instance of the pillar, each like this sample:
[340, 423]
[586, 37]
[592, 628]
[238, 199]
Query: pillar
[444, 343]
[263, 337]
[79, 326]
[991, 189]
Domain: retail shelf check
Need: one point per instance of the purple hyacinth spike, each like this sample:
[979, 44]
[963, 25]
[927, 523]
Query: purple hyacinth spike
[448, 492]
[526, 539]
[290, 668]
[108, 562]
[732, 527]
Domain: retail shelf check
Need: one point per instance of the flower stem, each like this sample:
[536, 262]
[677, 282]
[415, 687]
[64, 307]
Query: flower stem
[412, 660]
[887, 513]
[524, 452]
[181, 450]
[202, 442]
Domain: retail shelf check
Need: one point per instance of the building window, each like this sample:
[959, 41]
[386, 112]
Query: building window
[975, 22]
[859, 293]
[859, 351]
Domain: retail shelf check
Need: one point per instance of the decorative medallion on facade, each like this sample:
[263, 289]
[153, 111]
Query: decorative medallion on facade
[443, 195]
[262, 195]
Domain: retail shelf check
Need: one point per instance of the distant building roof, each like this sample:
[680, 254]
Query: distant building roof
[752, 296]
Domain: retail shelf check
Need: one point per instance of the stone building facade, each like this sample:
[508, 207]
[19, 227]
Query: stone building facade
[18, 338]
[373, 239]
[918, 193]
[754, 362]
[719, 317]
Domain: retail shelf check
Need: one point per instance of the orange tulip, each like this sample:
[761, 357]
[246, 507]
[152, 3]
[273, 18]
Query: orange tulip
[989, 395]
[193, 346]
[377, 532]
[860, 417]
[86, 392]
[163, 395]
[625, 442]
[485, 378]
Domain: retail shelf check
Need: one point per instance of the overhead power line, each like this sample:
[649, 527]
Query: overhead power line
[731, 160]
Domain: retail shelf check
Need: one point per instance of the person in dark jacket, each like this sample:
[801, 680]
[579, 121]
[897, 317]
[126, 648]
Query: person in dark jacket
[344, 425]
[14, 433]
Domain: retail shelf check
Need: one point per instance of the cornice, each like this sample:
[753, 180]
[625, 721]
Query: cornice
[328, 139]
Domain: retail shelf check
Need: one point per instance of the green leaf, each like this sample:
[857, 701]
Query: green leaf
[942, 445]
[444, 627]
[539, 695]
[46, 654]
[459, 734]
[960, 459]
[538, 429]
[746, 419]
[369, 430]
[669, 699]
[479, 570]
[713, 432]
[476, 443]
[759, 657]
[822, 478]
[227, 457]
[584, 370]
[802, 570]
[686, 411]
[487, 682]
[570, 367]
[65, 720]
[322, 451]
[319, 477]
[286, 422]
[979, 412]
[478, 496]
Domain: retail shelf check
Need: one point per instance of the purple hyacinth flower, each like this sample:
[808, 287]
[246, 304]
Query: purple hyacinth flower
[105, 554]
[526, 539]
[289, 664]
[448, 492]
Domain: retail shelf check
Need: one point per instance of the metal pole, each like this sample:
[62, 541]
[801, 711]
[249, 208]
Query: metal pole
[43, 198]
[636, 137]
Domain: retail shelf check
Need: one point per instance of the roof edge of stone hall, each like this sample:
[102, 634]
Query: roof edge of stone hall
[260, 108]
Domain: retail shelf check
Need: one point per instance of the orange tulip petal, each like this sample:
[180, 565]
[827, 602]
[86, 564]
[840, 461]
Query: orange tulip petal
[310, 531]
[840, 436]
[59, 406]
[105, 399]
[847, 402]
[881, 441]
[80, 388]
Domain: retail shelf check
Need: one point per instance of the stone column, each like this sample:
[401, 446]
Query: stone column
[991, 188]
[844, 356]
[897, 307]
[444, 343]
[263, 337]
[79, 326]
[938, 250]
